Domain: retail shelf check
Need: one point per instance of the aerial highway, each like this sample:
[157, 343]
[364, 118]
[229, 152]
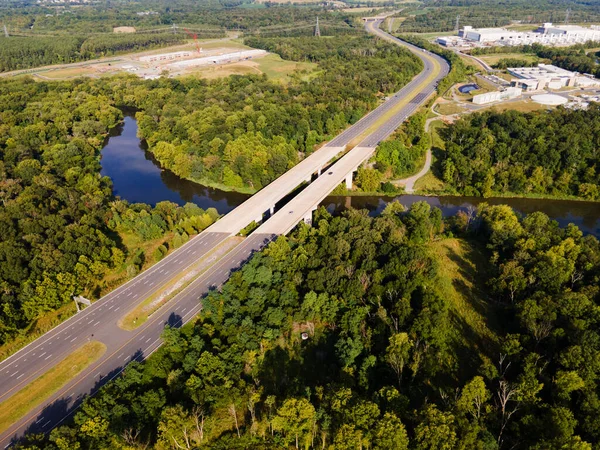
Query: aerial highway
[99, 322]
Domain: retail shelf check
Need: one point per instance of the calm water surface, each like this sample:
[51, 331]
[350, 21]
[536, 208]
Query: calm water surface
[138, 177]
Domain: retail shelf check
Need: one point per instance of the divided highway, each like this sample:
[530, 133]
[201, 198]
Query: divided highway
[100, 321]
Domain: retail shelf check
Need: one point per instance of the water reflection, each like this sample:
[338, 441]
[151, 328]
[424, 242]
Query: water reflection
[138, 177]
[586, 215]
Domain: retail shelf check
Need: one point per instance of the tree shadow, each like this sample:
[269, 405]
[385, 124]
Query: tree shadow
[62, 409]
[174, 320]
[436, 166]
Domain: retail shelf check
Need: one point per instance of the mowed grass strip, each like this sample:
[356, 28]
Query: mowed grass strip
[140, 313]
[43, 387]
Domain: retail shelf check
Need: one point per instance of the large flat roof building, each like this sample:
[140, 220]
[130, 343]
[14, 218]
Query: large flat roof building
[547, 34]
[548, 76]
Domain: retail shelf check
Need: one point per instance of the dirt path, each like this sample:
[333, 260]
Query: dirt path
[409, 183]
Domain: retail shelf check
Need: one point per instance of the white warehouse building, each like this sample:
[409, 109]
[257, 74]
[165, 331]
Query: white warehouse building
[490, 97]
[547, 34]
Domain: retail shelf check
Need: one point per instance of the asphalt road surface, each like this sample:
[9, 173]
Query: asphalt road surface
[101, 319]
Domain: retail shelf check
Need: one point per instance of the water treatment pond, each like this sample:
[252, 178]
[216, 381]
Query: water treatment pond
[138, 177]
[468, 88]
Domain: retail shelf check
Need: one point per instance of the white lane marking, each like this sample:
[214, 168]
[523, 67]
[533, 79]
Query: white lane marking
[151, 284]
[129, 295]
[125, 359]
[142, 337]
[72, 394]
[147, 340]
[183, 310]
[46, 358]
[116, 309]
[39, 420]
[67, 337]
[14, 374]
[73, 339]
[20, 376]
[96, 323]
[120, 355]
[43, 426]
[98, 374]
[161, 270]
[195, 251]
[111, 306]
[42, 355]
[145, 281]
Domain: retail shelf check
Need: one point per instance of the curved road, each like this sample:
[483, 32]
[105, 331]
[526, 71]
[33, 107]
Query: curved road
[100, 321]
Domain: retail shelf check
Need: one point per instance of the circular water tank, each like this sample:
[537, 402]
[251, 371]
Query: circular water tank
[549, 99]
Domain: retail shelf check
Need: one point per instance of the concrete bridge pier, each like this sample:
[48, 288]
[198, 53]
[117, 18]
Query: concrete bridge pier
[349, 181]
[309, 216]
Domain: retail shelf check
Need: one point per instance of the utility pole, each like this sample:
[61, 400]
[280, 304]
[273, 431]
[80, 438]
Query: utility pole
[567, 16]
[317, 30]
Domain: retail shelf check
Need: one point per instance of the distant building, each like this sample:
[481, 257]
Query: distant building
[547, 34]
[487, 34]
[218, 59]
[165, 56]
[124, 30]
[547, 76]
[490, 97]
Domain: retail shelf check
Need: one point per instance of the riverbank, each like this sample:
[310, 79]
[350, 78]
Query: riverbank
[138, 177]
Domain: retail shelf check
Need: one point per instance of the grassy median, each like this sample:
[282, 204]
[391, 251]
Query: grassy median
[43, 387]
[142, 312]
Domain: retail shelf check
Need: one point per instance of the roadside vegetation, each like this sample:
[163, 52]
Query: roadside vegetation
[378, 332]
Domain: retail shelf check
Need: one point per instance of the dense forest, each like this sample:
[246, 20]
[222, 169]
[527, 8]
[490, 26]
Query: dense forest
[62, 230]
[149, 15]
[440, 15]
[27, 52]
[541, 153]
[342, 336]
[243, 132]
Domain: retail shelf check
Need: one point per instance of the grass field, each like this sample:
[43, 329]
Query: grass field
[272, 65]
[461, 282]
[493, 59]
[43, 387]
[449, 108]
[521, 106]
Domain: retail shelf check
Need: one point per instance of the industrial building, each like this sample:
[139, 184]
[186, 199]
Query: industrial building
[487, 34]
[165, 56]
[547, 76]
[490, 97]
[217, 59]
[547, 34]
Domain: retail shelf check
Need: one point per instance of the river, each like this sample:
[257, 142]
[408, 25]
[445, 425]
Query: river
[138, 177]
